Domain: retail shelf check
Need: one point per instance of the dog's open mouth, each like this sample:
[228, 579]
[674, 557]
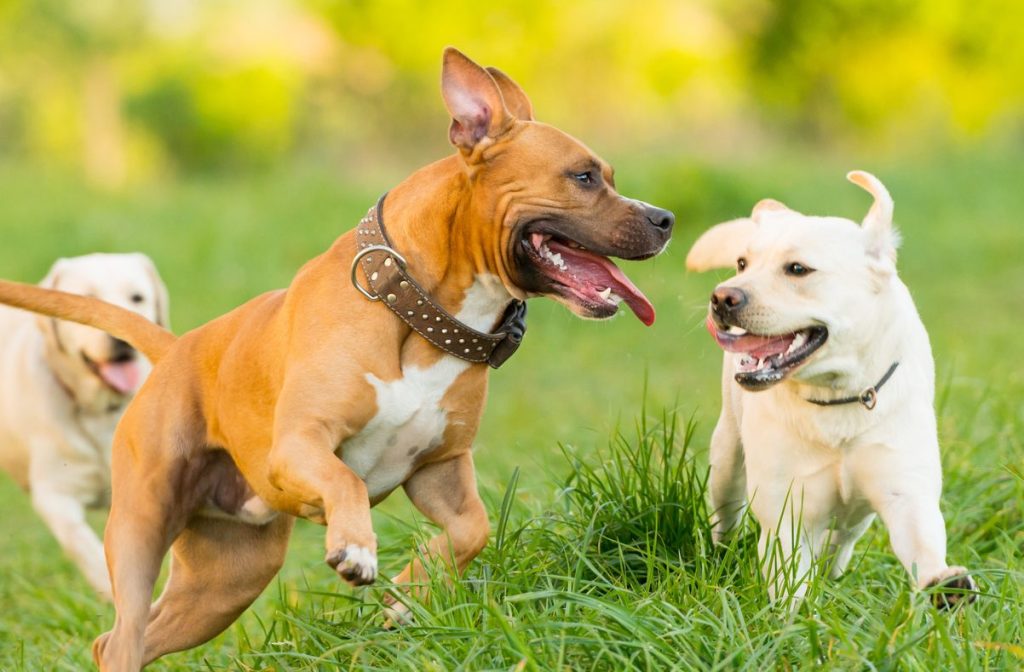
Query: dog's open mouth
[121, 374]
[767, 359]
[589, 280]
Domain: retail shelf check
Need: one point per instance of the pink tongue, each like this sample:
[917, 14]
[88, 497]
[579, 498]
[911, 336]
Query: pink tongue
[122, 376]
[592, 273]
[758, 346]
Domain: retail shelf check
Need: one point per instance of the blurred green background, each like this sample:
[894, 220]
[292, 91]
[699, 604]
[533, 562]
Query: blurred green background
[233, 140]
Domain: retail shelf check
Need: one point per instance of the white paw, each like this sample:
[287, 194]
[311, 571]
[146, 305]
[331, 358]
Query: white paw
[356, 564]
[952, 586]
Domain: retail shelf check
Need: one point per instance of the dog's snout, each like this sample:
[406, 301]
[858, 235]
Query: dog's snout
[121, 351]
[728, 299]
[661, 219]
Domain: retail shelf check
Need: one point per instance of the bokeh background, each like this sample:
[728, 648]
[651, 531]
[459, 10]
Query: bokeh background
[232, 140]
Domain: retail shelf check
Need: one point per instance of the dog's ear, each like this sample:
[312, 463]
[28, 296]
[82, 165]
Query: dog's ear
[515, 98]
[49, 325]
[720, 245]
[161, 300]
[766, 207]
[882, 239]
[474, 101]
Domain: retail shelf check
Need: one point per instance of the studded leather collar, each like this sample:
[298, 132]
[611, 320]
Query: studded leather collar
[389, 282]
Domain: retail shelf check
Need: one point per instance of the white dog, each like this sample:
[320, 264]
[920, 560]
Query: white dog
[63, 387]
[828, 387]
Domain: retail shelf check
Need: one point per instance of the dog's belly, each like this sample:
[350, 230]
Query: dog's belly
[408, 426]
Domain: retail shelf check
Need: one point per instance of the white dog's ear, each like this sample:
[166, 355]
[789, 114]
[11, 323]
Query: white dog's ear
[53, 275]
[882, 240]
[767, 206]
[720, 245]
[160, 297]
[48, 325]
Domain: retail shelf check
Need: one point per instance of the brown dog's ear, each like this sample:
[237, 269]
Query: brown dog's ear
[515, 98]
[720, 245]
[474, 101]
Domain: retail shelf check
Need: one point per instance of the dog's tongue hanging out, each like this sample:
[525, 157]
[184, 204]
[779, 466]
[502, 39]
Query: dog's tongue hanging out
[593, 277]
[123, 377]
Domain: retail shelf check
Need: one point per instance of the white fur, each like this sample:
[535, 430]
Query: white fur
[815, 476]
[56, 447]
[409, 420]
[362, 559]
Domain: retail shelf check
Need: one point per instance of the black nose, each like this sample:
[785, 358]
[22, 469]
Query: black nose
[727, 300]
[121, 351]
[661, 219]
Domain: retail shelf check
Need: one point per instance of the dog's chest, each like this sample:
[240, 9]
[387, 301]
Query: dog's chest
[410, 421]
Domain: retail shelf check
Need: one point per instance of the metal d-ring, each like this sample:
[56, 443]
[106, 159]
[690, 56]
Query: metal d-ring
[868, 398]
[399, 259]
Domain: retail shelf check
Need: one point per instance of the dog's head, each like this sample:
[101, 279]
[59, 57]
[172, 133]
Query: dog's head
[90, 357]
[806, 289]
[548, 200]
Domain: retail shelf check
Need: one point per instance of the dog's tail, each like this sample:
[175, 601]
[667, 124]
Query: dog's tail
[147, 337]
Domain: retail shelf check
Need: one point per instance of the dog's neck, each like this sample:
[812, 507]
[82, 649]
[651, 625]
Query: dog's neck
[890, 340]
[436, 226]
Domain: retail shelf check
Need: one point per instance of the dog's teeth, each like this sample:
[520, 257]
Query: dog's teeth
[736, 331]
[537, 239]
[605, 293]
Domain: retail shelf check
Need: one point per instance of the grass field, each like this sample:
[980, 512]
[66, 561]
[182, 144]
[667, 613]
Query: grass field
[592, 452]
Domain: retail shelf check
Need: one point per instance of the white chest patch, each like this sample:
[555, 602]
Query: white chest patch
[409, 419]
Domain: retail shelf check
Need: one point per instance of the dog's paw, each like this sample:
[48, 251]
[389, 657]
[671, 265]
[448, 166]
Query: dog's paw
[355, 564]
[952, 586]
[396, 614]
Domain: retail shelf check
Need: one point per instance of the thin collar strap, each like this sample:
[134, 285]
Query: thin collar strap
[868, 397]
[389, 282]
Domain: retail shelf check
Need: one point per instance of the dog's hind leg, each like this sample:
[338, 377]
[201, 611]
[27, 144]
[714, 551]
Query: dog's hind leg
[446, 493]
[139, 531]
[218, 568]
[65, 516]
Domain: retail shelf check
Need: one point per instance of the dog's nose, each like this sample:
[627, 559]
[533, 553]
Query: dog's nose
[727, 299]
[120, 351]
[661, 219]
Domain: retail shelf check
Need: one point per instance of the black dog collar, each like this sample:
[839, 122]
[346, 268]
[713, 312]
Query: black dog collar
[867, 398]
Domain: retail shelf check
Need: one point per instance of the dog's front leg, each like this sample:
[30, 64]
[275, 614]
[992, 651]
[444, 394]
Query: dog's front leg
[302, 463]
[65, 517]
[446, 493]
[917, 533]
[727, 478]
[904, 490]
[786, 561]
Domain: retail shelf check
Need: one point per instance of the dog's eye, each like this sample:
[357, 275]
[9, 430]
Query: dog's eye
[797, 269]
[741, 264]
[137, 298]
[586, 177]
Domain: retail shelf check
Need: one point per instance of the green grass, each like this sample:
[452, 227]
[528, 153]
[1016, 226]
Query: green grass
[593, 446]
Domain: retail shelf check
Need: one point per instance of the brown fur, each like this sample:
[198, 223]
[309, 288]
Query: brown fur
[275, 387]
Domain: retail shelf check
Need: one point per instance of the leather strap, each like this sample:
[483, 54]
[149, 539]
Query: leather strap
[867, 398]
[389, 282]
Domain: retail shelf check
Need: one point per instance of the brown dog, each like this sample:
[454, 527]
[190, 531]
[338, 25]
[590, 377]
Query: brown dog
[247, 416]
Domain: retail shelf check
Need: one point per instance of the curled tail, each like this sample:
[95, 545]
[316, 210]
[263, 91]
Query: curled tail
[149, 338]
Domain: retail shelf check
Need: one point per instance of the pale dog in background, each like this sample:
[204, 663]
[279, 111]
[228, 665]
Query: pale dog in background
[837, 317]
[63, 387]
